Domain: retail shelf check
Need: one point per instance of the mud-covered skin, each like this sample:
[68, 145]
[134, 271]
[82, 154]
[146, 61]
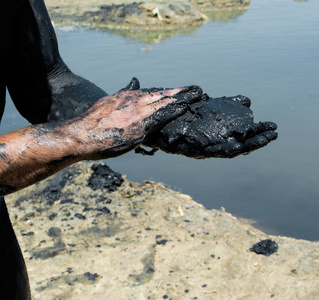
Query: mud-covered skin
[84, 124]
[211, 127]
[132, 116]
[113, 126]
[44, 89]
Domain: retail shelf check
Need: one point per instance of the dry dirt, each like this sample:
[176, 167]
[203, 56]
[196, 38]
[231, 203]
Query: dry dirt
[145, 241]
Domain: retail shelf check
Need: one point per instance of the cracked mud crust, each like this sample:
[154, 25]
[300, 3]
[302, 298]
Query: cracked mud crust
[145, 241]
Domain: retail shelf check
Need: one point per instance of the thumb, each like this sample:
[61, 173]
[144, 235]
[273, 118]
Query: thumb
[133, 85]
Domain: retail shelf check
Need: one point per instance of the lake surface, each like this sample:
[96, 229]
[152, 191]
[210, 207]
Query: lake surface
[270, 54]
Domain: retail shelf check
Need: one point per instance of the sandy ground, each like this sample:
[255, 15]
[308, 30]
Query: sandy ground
[144, 241]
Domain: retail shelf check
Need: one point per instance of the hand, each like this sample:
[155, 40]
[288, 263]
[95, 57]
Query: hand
[119, 123]
[214, 127]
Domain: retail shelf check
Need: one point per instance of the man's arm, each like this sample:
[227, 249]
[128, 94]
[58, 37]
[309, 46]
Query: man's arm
[41, 86]
[113, 126]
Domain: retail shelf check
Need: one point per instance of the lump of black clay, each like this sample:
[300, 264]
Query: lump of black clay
[104, 178]
[213, 127]
[265, 247]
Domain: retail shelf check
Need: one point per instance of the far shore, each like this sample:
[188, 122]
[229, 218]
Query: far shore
[150, 21]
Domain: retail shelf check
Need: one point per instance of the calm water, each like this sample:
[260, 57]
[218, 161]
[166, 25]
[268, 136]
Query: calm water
[270, 54]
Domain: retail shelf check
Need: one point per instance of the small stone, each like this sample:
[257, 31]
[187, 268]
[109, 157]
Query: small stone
[161, 242]
[80, 216]
[28, 233]
[265, 247]
[52, 216]
[91, 276]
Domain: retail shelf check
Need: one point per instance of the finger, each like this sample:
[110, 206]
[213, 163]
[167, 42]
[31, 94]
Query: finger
[265, 126]
[185, 95]
[270, 135]
[162, 107]
[241, 133]
[145, 96]
[254, 143]
[241, 99]
[159, 97]
[169, 108]
[226, 150]
[133, 85]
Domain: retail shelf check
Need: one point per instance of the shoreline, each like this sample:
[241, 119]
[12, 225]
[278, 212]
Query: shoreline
[145, 241]
[146, 19]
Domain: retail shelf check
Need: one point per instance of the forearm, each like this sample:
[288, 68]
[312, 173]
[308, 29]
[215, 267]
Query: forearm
[36, 152]
[113, 126]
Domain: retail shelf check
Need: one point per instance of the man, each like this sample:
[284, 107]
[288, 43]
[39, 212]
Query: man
[73, 120]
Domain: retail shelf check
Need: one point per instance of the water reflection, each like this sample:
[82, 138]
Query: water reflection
[150, 36]
[224, 15]
[157, 36]
[149, 22]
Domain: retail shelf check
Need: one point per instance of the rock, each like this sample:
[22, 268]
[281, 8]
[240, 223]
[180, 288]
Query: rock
[146, 16]
[154, 244]
[265, 247]
[104, 178]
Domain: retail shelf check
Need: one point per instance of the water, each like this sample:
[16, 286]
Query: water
[270, 54]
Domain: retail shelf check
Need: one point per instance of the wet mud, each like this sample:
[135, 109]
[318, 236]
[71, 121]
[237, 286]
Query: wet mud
[211, 127]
